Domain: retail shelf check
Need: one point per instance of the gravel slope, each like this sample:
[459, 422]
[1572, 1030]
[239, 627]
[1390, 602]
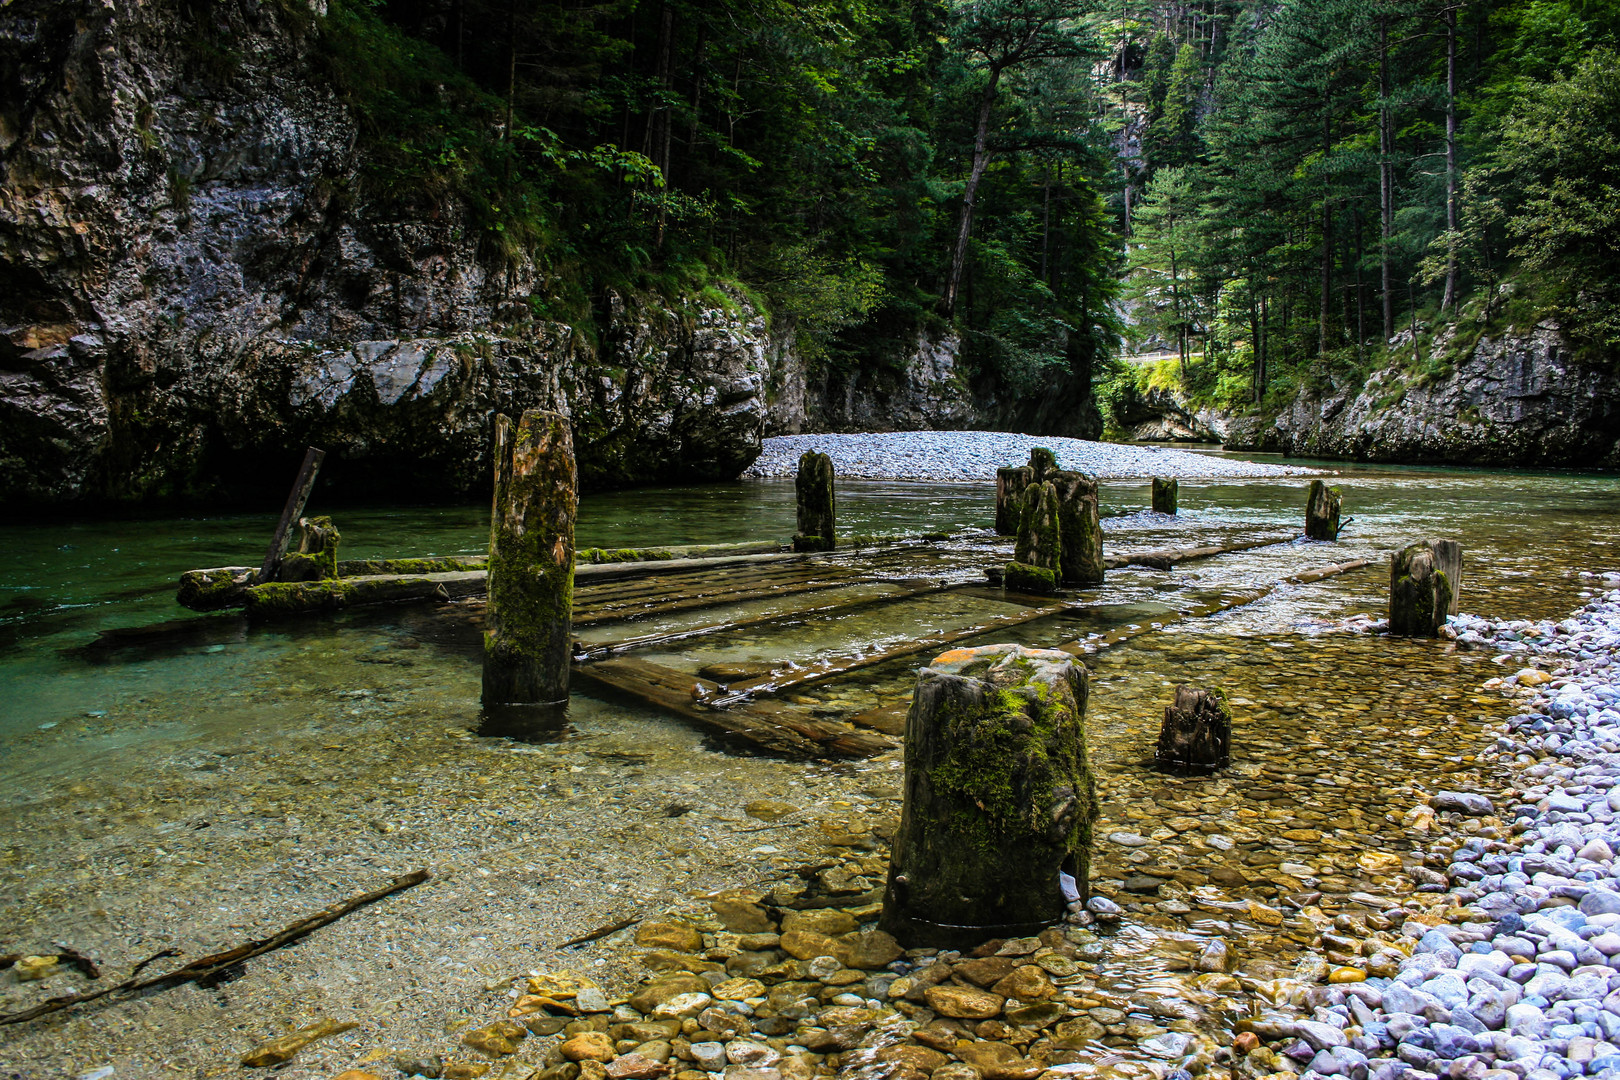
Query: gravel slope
[976, 455]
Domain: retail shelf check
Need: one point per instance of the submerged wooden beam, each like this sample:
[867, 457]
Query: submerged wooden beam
[1164, 558]
[282, 598]
[1232, 600]
[830, 669]
[772, 726]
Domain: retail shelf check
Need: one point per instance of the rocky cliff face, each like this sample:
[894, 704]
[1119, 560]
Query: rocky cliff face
[190, 291]
[1521, 399]
[925, 387]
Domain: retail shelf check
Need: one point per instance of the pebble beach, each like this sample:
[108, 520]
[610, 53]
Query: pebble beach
[976, 455]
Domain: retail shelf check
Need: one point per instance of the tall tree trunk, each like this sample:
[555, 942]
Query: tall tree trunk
[1361, 295]
[1327, 277]
[1386, 177]
[981, 158]
[1046, 219]
[697, 96]
[1450, 296]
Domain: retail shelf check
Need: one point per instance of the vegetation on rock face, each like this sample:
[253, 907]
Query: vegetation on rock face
[865, 170]
[1315, 189]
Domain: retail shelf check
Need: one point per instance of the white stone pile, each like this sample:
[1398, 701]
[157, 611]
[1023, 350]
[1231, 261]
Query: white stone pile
[976, 455]
[1528, 986]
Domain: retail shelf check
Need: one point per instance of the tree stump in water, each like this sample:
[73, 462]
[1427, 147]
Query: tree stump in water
[1322, 512]
[1197, 732]
[528, 646]
[999, 798]
[1164, 494]
[814, 487]
[1079, 528]
[1424, 582]
[1037, 553]
[1010, 485]
[316, 557]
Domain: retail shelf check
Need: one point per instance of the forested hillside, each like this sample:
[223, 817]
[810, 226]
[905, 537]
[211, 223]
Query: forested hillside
[866, 168]
[1330, 186]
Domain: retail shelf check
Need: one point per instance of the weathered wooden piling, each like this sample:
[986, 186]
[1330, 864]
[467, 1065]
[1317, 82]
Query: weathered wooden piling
[1038, 550]
[1165, 490]
[1196, 736]
[316, 557]
[1010, 486]
[527, 645]
[1425, 580]
[296, 498]
[1042, 463]
[1322, 512]
[1079, 528]
[814, 487]
[999, 797]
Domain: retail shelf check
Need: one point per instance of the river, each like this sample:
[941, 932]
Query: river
[198, 788]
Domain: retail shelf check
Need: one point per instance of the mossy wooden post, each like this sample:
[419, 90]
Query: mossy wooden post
[1079, 528]
[1010, 485]
[1424, 582]
[999, 797]
[527, 647]
[1196, 736]
[1042, 463]
[316, 557]
[1037, 553]
[1165, 490]
[814, 487]
[1322, 512]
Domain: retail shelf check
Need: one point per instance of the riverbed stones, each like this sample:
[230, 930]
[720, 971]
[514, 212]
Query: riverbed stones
[670, 935]
[963, 1002]
[1196, 736]
[814, 488]
[1079, 528]
[1322, 512]
[998, 797]
[528, 646]
[499, 1039]
[1423, 580]
[1165, 490]
[588, 1046]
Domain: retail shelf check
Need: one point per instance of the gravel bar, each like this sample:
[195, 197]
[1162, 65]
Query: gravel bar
[1521, 980]
[976, 455]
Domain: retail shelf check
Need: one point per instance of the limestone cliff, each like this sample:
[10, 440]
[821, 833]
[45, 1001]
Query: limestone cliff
[1518, 399]
[192, 287]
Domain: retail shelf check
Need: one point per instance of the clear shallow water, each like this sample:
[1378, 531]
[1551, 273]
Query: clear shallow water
[159, 793]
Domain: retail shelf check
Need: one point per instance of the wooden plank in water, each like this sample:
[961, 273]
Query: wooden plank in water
[770, 726]
[719, 596]
[278, 599]
[830, 669]
[1164, 558]
[296, 498]
[605, 649]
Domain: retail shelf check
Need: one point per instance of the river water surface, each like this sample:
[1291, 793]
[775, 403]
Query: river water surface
[211, 783]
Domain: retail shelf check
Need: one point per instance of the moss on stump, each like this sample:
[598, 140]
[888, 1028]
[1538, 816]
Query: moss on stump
[999, 797]
[1040, 536]
[1010, 485]
[528, 646]
[1024, 578]
[814, 488]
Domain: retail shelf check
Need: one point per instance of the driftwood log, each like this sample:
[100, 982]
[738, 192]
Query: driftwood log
[216, 963]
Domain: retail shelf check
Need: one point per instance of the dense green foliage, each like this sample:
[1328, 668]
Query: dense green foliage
[1326, 185]
[820, 154]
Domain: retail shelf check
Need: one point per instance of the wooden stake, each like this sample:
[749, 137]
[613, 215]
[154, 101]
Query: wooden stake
[292, 511]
